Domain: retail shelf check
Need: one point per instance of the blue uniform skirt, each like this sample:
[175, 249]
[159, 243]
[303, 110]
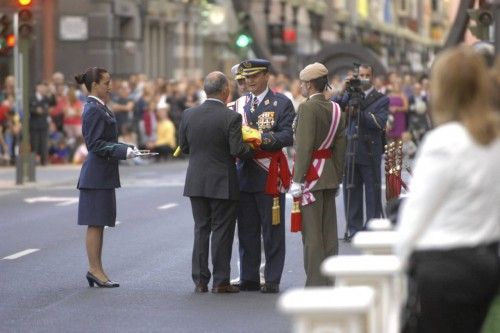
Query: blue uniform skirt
[97, 207]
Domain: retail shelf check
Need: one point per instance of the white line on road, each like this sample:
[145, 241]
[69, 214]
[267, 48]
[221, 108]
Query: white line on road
[20, 254]
[168, 206]
[62, 201]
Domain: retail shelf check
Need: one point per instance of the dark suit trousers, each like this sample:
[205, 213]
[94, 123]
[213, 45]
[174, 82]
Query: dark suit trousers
[363, 174]
[214, 221]
[254, 215]
[450, 290]
[39, 139]
[319, 235]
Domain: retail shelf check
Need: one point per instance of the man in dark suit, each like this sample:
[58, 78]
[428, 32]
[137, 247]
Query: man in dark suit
[211, 135]
[364, 153]
[39, 126]
[264, 180]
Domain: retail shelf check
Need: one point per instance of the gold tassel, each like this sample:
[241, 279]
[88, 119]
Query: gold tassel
[276, 210]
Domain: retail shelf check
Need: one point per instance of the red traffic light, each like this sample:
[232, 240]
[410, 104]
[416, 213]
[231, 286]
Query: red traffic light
[11, 40]
[289, 35]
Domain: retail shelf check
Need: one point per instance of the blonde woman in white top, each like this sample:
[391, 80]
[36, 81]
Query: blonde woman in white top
[449, 226]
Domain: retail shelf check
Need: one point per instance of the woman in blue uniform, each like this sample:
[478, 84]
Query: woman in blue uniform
[99, 175]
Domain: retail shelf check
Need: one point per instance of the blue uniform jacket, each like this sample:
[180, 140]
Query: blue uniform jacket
[274, 118]
[100, 169]
[372, 121]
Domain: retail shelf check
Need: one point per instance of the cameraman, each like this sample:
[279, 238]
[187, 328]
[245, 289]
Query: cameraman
[367, 112]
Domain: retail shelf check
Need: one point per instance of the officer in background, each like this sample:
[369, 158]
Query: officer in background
[364, 145]
[263, 181]
[318, 168]
[239, 99]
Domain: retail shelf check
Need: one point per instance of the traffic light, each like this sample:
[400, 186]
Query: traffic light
[289, 36]
[243, 40]
[25, 18]
[243, 37]
[7, 39]
[275, 35]
[483, 19]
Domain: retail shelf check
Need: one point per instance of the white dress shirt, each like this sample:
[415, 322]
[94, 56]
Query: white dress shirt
[261, 96]
[454, 198]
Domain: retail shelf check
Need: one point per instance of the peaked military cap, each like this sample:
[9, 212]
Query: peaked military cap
[236, 71]
[254, 66]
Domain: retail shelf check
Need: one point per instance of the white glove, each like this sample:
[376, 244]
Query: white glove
[296, 190]
[131, 153]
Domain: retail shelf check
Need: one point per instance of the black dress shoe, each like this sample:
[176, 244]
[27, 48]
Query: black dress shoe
[270, 288]
[248, 285]
[227, 288]
[101, 284]
[201, 288]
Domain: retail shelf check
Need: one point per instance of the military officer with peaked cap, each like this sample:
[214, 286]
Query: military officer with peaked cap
[264, 180]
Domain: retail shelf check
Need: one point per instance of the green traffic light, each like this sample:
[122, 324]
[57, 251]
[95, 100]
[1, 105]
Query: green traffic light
[243, 40]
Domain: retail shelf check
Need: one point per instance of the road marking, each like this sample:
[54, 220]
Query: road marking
[62, 201]
[20, 254]
[168, 206]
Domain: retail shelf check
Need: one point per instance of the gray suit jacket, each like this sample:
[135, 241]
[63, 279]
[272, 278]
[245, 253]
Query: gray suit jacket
[211, 135]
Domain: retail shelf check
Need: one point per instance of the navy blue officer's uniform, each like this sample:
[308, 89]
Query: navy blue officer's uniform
[99, 174]
[368, 157]
[274, 117]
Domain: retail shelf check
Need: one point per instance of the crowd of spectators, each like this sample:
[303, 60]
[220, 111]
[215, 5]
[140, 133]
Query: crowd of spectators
[148, 112]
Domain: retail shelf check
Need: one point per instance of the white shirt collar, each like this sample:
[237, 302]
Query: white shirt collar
[315, 95]
[98, 99]
[261, 96]
[214, 99]
[367, 92]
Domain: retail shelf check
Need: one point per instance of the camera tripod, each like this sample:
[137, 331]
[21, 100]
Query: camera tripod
[353, 140]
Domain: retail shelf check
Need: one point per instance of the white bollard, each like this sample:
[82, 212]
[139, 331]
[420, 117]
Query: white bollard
[379, 225]
[332, 310]
[375, 242]
[382, 273]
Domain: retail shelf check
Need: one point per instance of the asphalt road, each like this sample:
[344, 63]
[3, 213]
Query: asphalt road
[148, 252]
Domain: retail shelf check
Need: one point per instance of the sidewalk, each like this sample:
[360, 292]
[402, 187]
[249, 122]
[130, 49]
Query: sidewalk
[44, 175]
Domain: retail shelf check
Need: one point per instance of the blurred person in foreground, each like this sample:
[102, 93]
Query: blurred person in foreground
[99, 175]
[449, 228]
[319, 164]
[212, 133]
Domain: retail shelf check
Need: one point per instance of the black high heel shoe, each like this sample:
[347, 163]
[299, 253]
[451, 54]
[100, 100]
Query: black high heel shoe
[106, 284]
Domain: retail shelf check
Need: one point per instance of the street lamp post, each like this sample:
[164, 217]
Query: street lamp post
[25, 163]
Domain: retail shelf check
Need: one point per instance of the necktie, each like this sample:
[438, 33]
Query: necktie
[255, 104]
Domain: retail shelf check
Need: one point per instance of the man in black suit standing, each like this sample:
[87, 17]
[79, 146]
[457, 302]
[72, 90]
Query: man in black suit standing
[211, 135]
[39, 126]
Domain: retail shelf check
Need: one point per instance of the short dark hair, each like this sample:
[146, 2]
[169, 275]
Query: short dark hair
[215, 83]
[91, 75]
[320, 83]
[368, 66]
